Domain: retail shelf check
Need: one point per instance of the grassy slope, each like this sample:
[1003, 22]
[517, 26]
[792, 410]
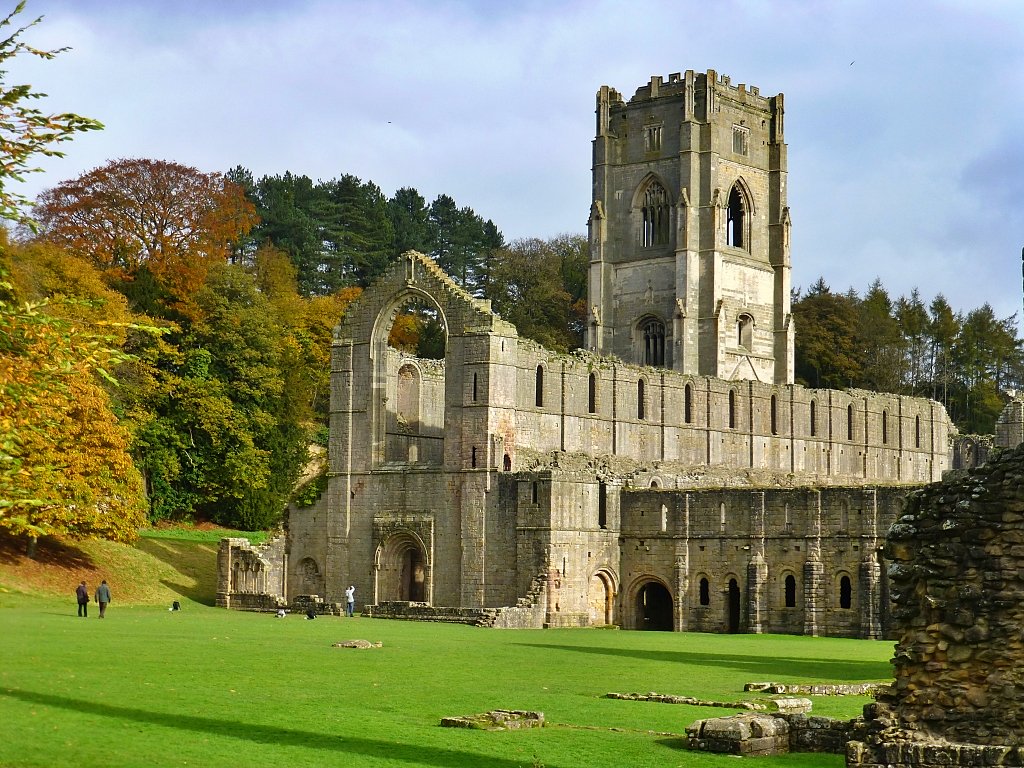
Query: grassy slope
[164, 565]
[147, 687]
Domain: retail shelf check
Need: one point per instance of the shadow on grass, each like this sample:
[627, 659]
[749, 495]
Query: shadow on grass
[49, 552]
[269, 734]
[832, 670]
[196, 560]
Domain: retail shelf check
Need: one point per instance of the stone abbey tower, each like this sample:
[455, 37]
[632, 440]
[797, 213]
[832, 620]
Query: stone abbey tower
[672, 476]
[689, 230]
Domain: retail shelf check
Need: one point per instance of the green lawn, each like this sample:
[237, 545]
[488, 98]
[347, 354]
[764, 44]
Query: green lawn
[207, 687]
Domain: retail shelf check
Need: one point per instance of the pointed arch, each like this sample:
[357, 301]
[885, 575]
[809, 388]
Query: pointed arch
[739, 212]
[653, 205]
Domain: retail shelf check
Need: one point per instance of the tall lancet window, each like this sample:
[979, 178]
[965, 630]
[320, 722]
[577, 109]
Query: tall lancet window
[735, 232]
[655, 216]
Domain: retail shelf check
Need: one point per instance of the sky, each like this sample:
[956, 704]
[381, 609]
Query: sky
[904, 120]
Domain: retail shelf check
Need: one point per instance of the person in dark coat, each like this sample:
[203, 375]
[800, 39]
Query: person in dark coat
[82, 593]
[103, 597]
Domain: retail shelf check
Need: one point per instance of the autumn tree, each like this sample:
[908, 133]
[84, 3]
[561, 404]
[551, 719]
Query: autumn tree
[136, 215]
[27, 133]
[65, 461]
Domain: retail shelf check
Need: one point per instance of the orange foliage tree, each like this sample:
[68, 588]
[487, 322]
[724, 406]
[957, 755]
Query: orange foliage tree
[135, 213]
[65, 466]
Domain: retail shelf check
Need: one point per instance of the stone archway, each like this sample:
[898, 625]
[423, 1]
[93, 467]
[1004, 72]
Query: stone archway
[601, 599]
[733, 615]
[653, 607]
[402, 572]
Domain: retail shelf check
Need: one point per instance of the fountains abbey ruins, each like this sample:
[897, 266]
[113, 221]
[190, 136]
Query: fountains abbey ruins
[670, 476]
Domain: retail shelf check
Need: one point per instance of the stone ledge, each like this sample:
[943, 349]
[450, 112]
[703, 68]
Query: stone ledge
[497, 720]
[786, 705]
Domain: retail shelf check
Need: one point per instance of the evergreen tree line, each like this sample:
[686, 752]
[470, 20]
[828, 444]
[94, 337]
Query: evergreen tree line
[344, 232]
[966, 361]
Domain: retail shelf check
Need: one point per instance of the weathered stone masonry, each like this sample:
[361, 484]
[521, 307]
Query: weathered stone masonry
[957, 578]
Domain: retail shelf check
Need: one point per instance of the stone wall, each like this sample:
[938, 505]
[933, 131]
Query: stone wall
[956, 581]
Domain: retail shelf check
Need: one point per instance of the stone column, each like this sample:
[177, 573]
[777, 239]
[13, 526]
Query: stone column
[757, 580]
[814, 594]
[869, 596]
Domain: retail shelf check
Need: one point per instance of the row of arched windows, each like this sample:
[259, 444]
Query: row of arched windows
[655, 217]
[789, 592]
[773, 415]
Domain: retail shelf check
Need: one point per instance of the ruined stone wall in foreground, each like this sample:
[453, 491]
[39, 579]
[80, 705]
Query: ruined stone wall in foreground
[957, 582]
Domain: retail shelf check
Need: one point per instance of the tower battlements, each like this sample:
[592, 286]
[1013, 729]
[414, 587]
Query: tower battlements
[677, 83]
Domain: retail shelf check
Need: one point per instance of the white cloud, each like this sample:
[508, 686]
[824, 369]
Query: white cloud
[902, 119]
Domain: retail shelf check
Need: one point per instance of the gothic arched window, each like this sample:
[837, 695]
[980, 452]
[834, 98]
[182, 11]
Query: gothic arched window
[654, 225]
[735, 234]
[653, 333]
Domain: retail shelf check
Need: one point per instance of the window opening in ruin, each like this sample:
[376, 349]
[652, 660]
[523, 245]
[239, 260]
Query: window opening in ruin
[787, 522]
[534, 493]
[844, 519]
[735, 220]
[721, 517]
[734, 607]
[845, 592]
[654, 227]
[641, 405]
[654, 608]
[418, 329]
[653, 332]
[917, 431]
[791, 591]
[652, 138]
[745, 332]
[732, 409]
[472, 459]
[849, 423]
[539, 389]
[814, 418]
[664, 518]
[474, 388]
[885, 427]
[602, 505]
[688, 404]
[705, 592]
[655, 483]
[411, 406]
[506, 463]
[740, 139]
[774, 415]
[592, 394]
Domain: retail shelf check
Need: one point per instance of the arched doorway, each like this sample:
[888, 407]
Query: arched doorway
[654, 607]
[601, 599]
[733, 601]
[402, 569]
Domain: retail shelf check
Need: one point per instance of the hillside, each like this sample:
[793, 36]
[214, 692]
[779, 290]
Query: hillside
[162, 566]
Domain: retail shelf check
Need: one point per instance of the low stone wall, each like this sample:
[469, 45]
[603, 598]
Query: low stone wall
[257, 602]
[818, 689]
[773, 734]
[764, 705]
[511, 617]
[407, 611]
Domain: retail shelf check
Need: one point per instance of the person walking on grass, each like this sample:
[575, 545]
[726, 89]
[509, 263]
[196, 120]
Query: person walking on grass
[102, 597]
[82, 594]
[350, 601]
